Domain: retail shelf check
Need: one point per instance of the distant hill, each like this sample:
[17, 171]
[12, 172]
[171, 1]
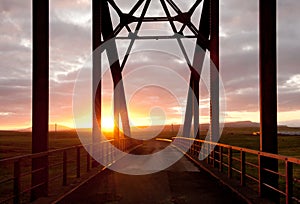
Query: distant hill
[168, 127]
[239, 124]
[51, 128]
[242, 124]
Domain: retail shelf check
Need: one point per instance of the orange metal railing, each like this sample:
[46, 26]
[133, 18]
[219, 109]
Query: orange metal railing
[64, 166]
[245, 165]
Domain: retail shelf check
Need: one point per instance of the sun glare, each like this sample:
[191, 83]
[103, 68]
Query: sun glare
[107, 124]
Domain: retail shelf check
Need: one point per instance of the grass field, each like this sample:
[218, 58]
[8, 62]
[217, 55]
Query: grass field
[13, 143]
[19, 143]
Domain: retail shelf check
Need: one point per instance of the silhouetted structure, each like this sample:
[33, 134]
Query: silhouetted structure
[207, 38]
[268, 95]
[40, 95]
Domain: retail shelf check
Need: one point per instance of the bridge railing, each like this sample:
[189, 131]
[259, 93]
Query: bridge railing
[64, 167]
[244, 164]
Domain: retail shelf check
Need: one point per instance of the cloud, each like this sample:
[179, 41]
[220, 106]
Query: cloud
[70, 47]
[239, 54]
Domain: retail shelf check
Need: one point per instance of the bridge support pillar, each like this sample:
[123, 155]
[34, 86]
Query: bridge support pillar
[40, 96]
[96, 100]
[214, 75]
[268, 96]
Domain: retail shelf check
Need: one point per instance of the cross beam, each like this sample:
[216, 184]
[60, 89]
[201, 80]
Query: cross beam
[207, 39]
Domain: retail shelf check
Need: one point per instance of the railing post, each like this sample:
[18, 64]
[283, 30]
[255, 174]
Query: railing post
[213, 155]
[114, 150]
[107, 153]
[259, 175]
[88, 160]
[125, 145]
[192, 149]
[243, 167]
[102, 147]
[288, 182]
[181, 143]
[111, 153]
[115, 142]
[198, 148]
[17, 183]
[64, 168]
[78, 162]
[195, 149]
[229, 162]
[216, 157]
[221, 158]
[206, 152]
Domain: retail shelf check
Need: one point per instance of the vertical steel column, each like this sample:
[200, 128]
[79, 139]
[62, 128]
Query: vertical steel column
[268, 93]
[214, 71]
[214, 74]
[40, 95]
[96, 100]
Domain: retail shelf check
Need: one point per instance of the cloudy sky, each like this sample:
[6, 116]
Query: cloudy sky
[70, 50]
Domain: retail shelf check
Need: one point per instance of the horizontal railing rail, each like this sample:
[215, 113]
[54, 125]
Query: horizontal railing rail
[64, 166]
[243, 164]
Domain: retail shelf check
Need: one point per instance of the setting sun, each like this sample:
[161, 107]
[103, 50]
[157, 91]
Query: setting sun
[107, 124]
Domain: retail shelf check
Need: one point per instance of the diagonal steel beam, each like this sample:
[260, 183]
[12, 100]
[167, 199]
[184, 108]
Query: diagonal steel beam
[117, 9]
[136, 7]
[193, 8]
[192, 108]
[174, 6]
[179, 12]
[119, 27]
[138, 26]
[119, 12]
[163, 3]
[120, 107]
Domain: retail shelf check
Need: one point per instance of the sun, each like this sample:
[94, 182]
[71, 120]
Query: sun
[107, 124]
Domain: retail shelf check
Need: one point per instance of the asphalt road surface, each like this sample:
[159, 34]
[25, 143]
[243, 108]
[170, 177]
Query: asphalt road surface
[182, 183]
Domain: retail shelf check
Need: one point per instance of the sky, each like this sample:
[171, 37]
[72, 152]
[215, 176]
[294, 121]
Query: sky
[70, 51]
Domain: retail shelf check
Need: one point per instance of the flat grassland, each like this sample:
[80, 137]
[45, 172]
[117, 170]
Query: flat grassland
[14, 143]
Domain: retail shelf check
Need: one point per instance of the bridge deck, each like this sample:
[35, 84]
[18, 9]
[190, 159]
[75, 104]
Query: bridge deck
[182, 182]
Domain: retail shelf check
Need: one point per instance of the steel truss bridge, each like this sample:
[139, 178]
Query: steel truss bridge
[226, 164]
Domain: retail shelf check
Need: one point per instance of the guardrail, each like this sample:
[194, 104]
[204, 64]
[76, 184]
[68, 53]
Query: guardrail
[244, 164]
[64, 166]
